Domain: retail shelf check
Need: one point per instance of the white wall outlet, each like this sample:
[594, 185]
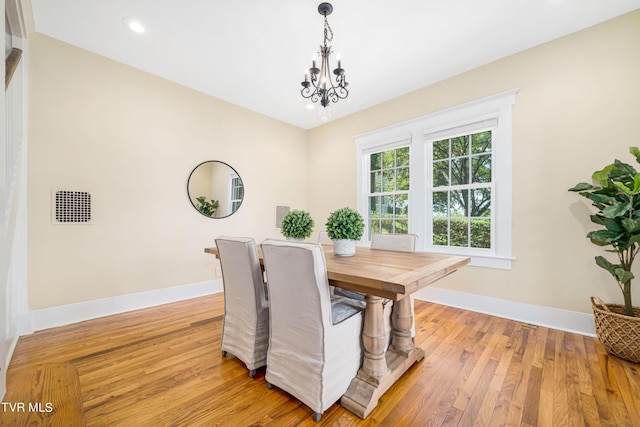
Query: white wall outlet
[218, 272]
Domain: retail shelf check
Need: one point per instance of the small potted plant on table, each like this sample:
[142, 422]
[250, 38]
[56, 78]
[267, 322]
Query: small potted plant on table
[617, 198]
[297, 225]
[345, 227]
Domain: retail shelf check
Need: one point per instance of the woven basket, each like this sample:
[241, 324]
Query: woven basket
[618, 333]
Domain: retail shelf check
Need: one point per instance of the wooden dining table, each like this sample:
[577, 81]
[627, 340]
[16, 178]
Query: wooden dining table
[382, 275]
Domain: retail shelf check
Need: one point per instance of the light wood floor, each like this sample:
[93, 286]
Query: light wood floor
[163, 367]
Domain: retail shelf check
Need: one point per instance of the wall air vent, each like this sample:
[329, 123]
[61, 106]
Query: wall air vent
[71, 207]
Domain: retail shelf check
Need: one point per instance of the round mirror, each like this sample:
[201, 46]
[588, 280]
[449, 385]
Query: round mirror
[215, 189]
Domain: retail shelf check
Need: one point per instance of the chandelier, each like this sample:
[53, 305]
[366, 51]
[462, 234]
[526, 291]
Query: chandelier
[318, 85]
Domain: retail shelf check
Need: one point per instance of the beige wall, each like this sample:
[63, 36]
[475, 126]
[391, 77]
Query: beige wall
[577, 109]
[131, 140]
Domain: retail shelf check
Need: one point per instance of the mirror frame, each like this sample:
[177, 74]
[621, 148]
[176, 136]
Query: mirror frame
[189, 193]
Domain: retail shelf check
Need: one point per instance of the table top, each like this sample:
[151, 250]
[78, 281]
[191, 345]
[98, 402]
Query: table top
[387, 274]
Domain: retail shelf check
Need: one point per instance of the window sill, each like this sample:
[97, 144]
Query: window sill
[482, 260]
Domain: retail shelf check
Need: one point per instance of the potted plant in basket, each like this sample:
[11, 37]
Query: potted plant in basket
[345, 227]
[297, 225]
[616, 195]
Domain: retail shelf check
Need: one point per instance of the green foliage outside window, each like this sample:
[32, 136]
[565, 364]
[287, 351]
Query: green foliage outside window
[389, 187]
[461, 200]
[480, 232]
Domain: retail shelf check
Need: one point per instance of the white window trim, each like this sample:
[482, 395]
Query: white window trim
[414, 133]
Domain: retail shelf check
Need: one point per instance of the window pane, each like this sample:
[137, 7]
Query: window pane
[460, 146]
[389, 180]
[387, 226]
[402, 206]
[481, 168]
[459, 232]
[387, 206]
[402, 156]
[440, 173]
[376, 182]
[481, 142]
[374, 207]
[481, 233]
[403, 179]
[388, 159]
[441, 149]
[481, 202]
[440, 231]
[376, 161]
[459, 203]
[460, 171]
[440, 204]
[401, 227]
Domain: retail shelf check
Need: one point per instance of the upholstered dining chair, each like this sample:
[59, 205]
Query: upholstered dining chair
[314, 342]
[245, 331]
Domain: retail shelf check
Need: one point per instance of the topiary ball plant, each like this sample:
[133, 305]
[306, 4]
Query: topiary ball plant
[345, 224]
[297, 224]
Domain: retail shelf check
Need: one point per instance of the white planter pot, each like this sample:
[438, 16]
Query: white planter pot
[344, 247]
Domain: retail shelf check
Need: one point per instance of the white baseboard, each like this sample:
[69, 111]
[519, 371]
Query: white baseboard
[67, 314]
[570, 321]
[555, 318]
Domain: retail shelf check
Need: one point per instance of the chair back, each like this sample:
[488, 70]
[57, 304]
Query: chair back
[394, 242]
[245, 331]
[300, 304]
[323, 238]
[241, 275]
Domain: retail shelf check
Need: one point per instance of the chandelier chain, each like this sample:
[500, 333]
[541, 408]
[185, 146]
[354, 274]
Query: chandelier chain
[327, 30]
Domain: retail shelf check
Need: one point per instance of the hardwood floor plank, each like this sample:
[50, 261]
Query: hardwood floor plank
[163, 367]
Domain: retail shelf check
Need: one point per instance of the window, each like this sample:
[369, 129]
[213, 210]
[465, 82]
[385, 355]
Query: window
[445, 177]
[461, 188]
[237, 192]
[389, 191]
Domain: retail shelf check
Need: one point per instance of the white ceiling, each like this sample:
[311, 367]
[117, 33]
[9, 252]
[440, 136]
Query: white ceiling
[253, 52]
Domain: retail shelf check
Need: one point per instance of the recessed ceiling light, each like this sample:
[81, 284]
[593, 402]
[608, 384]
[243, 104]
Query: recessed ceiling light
[133, 24]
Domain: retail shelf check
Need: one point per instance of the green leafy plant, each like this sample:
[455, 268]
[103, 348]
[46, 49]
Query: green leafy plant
[345, 224]
[617, 198]
[207, 208]
[297, 224]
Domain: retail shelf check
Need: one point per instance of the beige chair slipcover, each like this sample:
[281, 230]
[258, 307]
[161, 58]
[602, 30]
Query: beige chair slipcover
[314, 343]
[245, 332]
